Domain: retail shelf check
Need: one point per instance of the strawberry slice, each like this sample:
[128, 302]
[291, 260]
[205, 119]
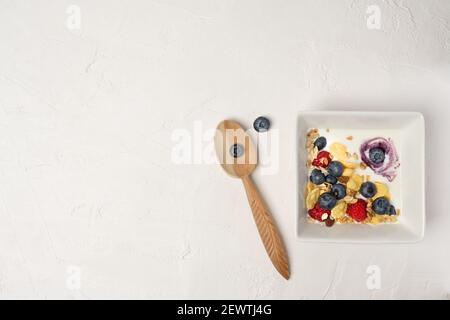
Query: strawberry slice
[322, 160]
[317, 212]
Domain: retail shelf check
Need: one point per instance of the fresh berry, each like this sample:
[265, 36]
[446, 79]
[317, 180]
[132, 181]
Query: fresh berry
[320, 143]
[236, 150]
[376, 155]
[335, 168]
[338, 190]
[391, 210]
[380, 205]
[327, 201]
[317, 212]
[317, 177]
[322, 160]
[357, 210]
[368, 189]
[261, 124]
[331, 179]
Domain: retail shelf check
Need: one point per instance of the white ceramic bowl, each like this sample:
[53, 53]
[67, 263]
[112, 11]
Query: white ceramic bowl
[407, 129]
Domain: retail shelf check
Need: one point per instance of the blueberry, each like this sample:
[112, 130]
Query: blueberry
[368, 189]
[391, 210]
[261, 124]
[380, 205]
[320, 143]
[376, 155]
[331, 179]
[317, 177]
[335, 168]
[327, 201]
[338, 190]
[236, 150]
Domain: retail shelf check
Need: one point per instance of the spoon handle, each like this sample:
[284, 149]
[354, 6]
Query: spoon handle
[266, 228]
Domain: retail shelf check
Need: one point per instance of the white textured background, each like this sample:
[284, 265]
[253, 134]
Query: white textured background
[86, 118]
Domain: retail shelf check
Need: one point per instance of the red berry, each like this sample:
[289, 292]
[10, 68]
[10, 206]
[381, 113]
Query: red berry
[322, 160]
[317, 212]
[357, 210]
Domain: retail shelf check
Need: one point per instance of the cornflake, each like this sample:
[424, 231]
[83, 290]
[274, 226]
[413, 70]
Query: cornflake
[311, 198]
[339, 210]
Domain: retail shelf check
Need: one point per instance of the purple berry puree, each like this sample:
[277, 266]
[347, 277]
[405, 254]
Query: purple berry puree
[388, 168]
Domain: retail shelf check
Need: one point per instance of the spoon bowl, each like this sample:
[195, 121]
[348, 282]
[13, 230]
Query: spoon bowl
[228, 134]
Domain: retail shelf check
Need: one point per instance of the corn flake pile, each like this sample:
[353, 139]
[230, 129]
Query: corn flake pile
[352, 206]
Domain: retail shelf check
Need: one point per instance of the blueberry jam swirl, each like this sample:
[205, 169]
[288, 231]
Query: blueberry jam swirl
[380, 155]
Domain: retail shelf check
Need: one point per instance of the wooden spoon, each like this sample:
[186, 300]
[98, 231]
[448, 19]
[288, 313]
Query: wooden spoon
[231, 137]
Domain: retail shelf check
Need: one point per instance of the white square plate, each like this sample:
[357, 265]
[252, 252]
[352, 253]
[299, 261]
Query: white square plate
[407, 130]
